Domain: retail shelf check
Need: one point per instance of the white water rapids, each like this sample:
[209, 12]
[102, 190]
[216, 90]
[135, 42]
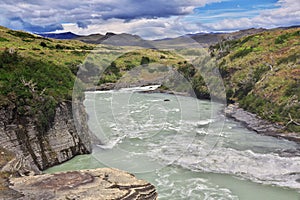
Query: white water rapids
[187, 150]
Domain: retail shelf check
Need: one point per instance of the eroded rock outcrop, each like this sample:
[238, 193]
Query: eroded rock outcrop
[84, 185]
[37, 150]
[31, 151]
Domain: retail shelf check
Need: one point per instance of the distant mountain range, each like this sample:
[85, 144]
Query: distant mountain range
[65, 35]
[124, 39]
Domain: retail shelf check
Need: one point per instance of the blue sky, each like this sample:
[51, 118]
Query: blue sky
[150, 19]
[231, 9]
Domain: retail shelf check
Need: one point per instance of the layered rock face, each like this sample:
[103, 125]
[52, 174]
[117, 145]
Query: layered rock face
[84, 185]
[36, 151]
[32, 151]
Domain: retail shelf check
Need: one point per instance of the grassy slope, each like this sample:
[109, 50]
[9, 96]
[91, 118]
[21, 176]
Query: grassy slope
[144, 66]
[262, 73]
[37, 73]
[60, 52]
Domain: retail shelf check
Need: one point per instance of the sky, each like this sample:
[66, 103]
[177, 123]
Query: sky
[150, 19]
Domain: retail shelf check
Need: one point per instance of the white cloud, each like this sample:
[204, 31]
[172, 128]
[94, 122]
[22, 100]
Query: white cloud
[150, 19]
[287, 14]
[44, 13]
[146, 28]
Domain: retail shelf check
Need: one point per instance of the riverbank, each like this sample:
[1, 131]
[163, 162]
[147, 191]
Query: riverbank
[261, 126]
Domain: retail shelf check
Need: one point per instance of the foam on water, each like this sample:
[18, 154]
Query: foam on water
[170, 136]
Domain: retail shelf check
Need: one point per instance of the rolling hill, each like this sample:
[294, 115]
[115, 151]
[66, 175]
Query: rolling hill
[262, 73]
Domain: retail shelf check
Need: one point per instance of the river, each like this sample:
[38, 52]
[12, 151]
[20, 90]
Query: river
[187, 148]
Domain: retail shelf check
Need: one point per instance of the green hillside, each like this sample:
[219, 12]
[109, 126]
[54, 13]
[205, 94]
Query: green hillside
[262, 73]
[144, 58]
[37, 73]
[60, 52]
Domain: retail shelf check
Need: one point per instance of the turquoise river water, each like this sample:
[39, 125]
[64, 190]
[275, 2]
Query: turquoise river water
[187, 148]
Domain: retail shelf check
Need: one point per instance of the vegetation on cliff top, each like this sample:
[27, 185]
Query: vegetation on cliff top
[37, 73]
[32, 87]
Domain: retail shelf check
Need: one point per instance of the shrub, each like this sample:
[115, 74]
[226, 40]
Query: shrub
[246, 39]
[259, 72]
[223, 69]
[8, 57]
[20, 34]
[3, 39]
[43, 44]
[113, 69]
[27, 40]
[162, 57]
[188, 70]
[291, 58]
[129, 66]
[281, 39]
[241, 53]
[34, 87]
[243, 89]
[58, 46]
[145, 60]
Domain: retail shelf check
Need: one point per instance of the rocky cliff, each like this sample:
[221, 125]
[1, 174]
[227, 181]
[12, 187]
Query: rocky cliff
[36, 150]
[31, 151]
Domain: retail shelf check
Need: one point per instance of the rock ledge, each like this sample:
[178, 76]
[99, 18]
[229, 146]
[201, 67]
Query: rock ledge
[102, 183]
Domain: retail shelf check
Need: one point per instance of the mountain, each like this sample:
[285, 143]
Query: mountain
[207, 39]
[213, 38]
[204, 39]
[66, 35]
[125, 39]
[92, 39]
[109, 38]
